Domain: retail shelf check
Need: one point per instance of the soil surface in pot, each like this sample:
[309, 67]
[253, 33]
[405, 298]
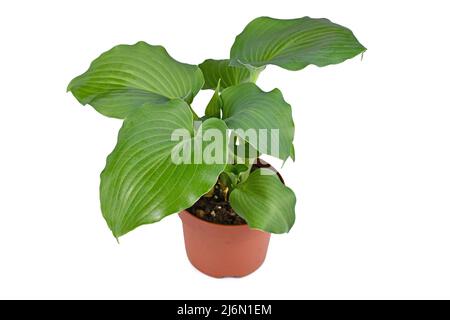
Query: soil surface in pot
[214, 207]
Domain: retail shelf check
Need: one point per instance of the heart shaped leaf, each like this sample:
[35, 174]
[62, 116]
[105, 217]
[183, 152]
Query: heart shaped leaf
[142, 183]
[128, 76]
[293, 44]
[247, 109]
[264, 202]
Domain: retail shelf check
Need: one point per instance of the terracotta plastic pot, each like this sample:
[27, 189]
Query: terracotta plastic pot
[223, 250]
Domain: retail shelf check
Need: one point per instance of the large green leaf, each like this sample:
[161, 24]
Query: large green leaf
[215, 70]
[264, 202]
[246, 106]
[141, 184]
[295, 43]
[127, 76]
[119, 103]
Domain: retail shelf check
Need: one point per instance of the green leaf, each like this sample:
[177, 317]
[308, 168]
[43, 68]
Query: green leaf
[119, 103]
[246, 106]
[236, 168]
[229, 179]
[264, 202]
[215, 104]
[141, 183]
[295, 43]
[292, 152]
[127, 76]
[215, 70]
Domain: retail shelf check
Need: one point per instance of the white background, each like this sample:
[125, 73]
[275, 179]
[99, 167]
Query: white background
[372, 174]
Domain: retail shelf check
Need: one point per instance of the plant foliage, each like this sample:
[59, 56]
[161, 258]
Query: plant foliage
[152, 92]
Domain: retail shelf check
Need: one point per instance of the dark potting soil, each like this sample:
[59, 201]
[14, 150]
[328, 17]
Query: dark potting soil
[214, 207]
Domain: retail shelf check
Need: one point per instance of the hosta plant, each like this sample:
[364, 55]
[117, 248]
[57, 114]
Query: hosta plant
[144, 181]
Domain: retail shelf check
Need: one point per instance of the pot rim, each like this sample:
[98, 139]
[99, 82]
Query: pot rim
[218, 225]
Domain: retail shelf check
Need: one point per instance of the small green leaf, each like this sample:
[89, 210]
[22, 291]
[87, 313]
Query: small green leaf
[247, 107]
[141, 183]
[127, 76]
[293, 44]
[215, 104]
[215, 70]
[264, 202]
[236, 168]
[240, 170]
[229, 179]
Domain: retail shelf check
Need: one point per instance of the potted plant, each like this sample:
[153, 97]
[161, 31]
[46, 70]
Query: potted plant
[170, 160]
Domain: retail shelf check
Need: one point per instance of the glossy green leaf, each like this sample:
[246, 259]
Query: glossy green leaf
[215, 70]
[141, 184]
[119, 103]
[293, 44]
[264, 202]
[125, 77]
[215, 104]
[246, 106]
